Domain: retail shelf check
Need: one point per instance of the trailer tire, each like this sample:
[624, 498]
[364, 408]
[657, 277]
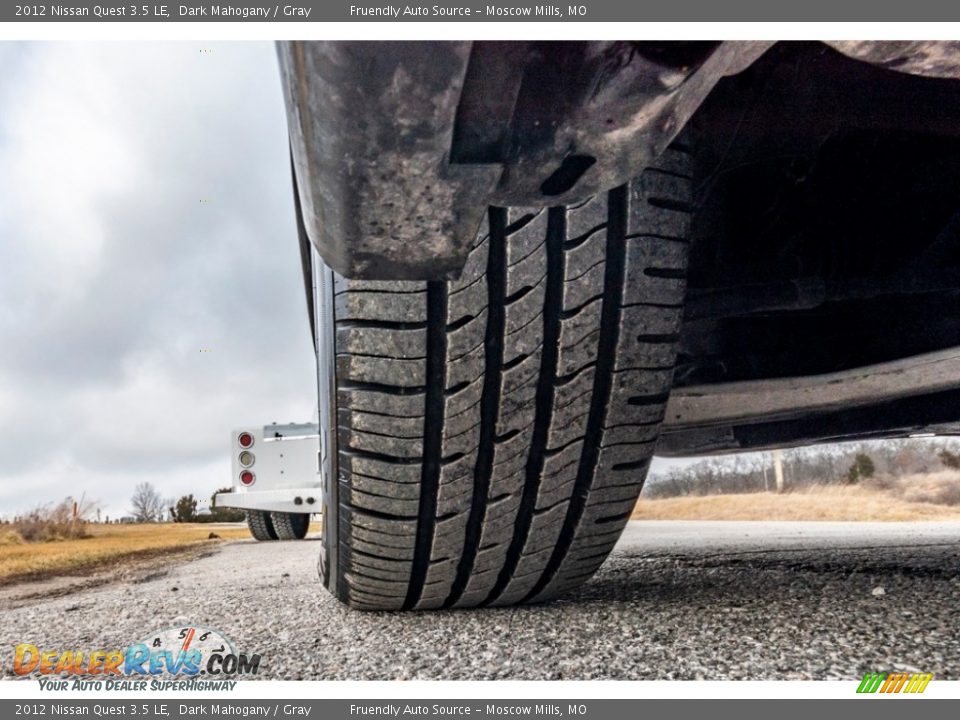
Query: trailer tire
[490, 435]
[261, 526]
[290, 526]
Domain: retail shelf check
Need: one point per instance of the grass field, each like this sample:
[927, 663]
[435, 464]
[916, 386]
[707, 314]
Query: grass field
[107, 544]
[824, 503]
[923, 497]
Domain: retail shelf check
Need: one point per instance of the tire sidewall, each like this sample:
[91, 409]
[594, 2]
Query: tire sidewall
[323, 282]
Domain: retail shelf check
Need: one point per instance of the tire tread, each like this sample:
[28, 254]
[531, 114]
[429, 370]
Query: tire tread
[494, 431]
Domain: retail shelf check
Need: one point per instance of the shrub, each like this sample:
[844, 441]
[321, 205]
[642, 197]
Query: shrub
[862, 467]
[949, 459]
[185, 510]
[937, 489]
[222, 514]
[10, 537]
[52, 522]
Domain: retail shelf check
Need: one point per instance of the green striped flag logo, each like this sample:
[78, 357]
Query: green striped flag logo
[894, 682]
[871, 682]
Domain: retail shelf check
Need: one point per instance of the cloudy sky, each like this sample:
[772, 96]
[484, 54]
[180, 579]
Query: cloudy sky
[150, 296]
[150, 288]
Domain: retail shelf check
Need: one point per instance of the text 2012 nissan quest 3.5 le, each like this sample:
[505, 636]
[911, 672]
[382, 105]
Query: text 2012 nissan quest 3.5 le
[531, 265]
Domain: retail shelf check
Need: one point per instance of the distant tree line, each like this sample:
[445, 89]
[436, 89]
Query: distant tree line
[147, 505]
[805, 467]
[185, 510]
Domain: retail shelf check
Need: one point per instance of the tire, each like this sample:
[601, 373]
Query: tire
[261, 526]
[290, 526]
[491, 434]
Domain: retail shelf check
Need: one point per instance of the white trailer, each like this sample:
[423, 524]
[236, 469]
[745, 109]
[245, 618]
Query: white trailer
[276, 479]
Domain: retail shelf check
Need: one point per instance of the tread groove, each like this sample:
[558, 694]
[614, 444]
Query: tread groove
[371, 291]
[521, 259]
[574, 278]
[655, 236]
[523, 327]
[666, 273]
[377, 514]
[517, 224]
[371, 477]
[570, 377]
[544, 400]
[576, 242]
[432, 438]
[671, 204]
[453, 390]
[350, 451]
[379, 325]
[612, 518]
[467, 286]
[375, 355]
[614, 273]
[523, 292]
[357, 411]
[659, 338]
[457, 324]
[572, 312]
[510, 364]
[353, 386]
[364, 553]
[392, 436]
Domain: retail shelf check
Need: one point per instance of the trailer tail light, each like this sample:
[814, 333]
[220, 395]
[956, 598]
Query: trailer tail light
[247, 458]
[247, 477]
[245, 439]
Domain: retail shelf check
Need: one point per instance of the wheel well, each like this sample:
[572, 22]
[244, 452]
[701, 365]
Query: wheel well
[829, 220]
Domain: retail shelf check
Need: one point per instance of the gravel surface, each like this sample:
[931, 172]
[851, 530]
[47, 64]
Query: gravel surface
[677, 600]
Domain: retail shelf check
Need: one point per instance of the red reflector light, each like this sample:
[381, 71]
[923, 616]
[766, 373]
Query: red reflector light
[245, 439]
[247, 477]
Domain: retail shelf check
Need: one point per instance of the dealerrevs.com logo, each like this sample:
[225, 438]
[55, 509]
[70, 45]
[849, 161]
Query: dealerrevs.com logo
[169, 659]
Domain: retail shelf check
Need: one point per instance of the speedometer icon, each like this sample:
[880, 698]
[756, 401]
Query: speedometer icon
[194, 641]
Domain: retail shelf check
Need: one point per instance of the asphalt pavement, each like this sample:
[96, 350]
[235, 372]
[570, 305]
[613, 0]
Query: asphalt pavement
[676, 600]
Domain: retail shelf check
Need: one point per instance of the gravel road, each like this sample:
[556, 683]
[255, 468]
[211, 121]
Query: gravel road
[677, 600]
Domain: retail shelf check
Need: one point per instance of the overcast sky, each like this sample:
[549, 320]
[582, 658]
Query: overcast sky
[145, 216]
[150, 289]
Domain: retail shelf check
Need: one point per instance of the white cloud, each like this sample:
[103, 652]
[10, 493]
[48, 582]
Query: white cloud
[145, 215]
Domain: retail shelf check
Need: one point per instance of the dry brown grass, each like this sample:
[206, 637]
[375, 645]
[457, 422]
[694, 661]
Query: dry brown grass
[940, 488]
[104, 544]
[857, 503]
[48, 522]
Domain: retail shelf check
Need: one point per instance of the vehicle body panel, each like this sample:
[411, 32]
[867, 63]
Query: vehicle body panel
[287, 478]
[399, 147]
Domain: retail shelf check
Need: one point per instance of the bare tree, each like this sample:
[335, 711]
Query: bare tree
[147, 503]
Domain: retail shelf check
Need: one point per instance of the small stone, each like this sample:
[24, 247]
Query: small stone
[878, 591]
